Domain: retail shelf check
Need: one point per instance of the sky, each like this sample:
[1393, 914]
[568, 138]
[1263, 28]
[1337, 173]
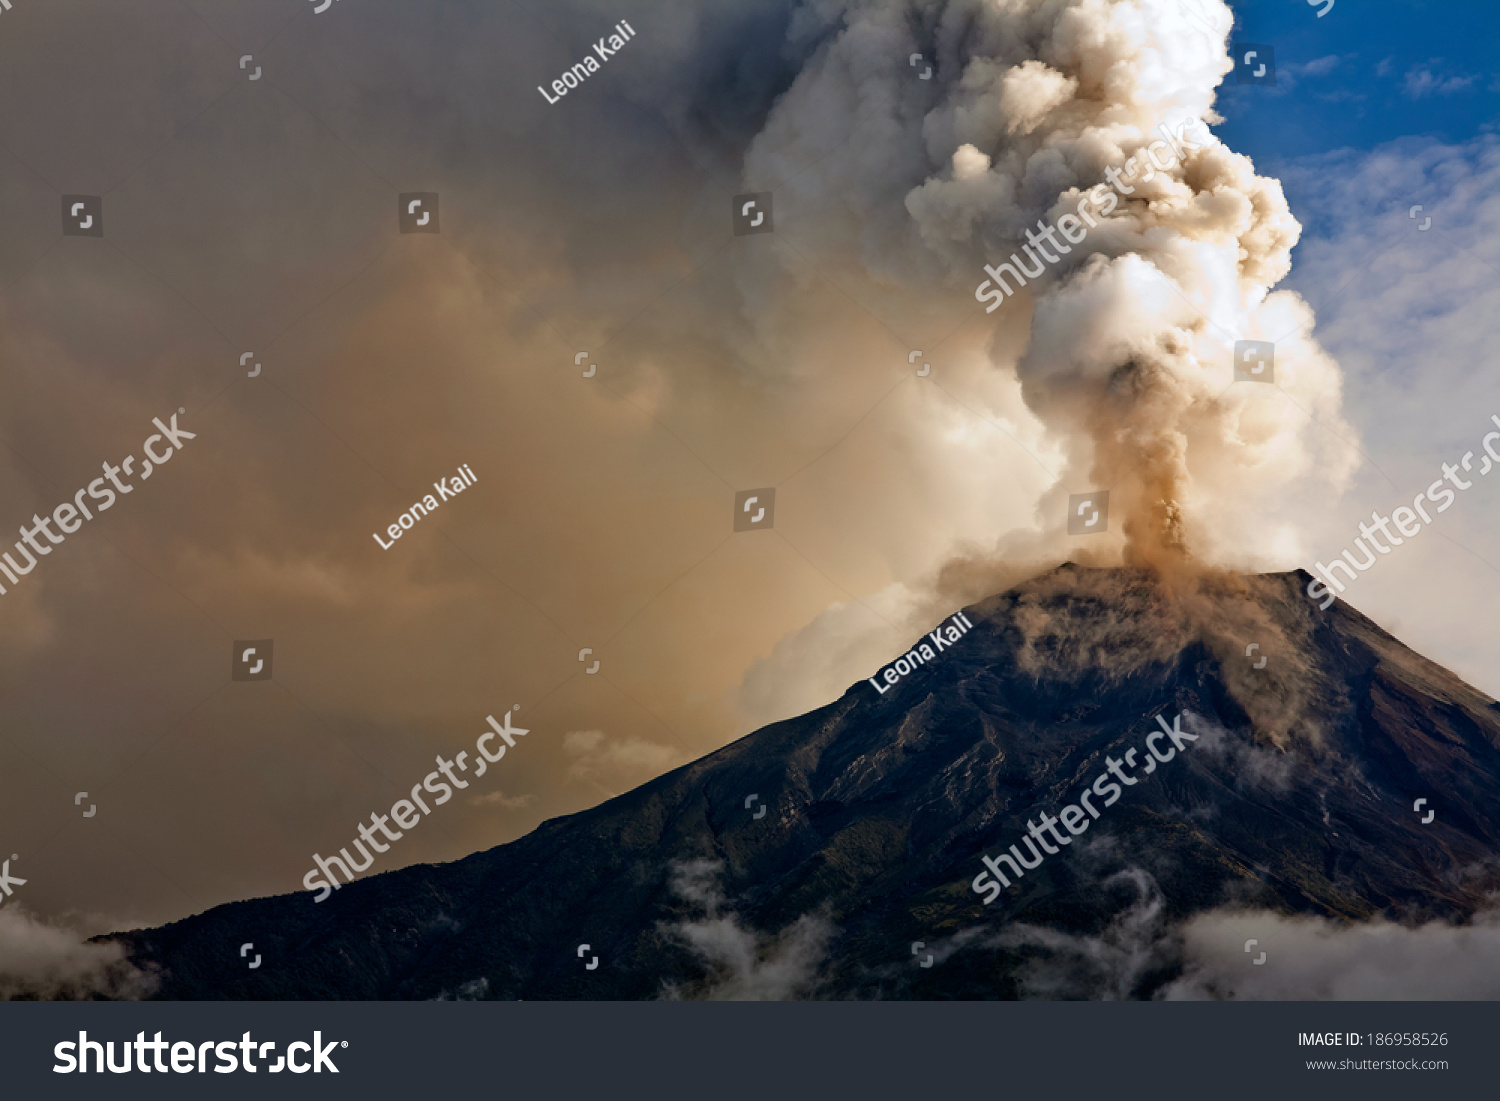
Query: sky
[260, 217]
[1391, 105]
[1363, 75]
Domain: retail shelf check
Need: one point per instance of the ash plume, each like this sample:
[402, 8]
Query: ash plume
[1128, 357]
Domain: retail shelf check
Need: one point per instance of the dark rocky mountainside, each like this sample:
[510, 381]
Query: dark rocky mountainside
[1297, 797]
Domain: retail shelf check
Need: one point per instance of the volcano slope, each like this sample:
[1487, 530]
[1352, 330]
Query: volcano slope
[1296, 798]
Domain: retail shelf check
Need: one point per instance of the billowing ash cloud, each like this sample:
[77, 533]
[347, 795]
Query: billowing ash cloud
[1032, 106]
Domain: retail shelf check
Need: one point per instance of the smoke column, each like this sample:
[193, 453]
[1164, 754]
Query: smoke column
[1128, 361]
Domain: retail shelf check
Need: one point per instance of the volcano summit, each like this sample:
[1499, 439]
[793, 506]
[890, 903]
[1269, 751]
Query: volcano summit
[1293, 804]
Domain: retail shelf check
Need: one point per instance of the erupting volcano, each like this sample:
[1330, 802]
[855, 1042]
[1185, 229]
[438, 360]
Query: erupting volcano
[1295, 800]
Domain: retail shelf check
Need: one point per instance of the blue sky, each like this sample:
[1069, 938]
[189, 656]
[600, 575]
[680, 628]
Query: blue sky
[1379, 106]
[1366, 73]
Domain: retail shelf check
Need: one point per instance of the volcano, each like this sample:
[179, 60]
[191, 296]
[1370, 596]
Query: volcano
[835, 854]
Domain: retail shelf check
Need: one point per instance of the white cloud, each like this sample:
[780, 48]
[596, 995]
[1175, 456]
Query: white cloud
[1429, 79]
[596, 757]
[1413, 317]
[743, 965]
[1307, 958]
[503, 801]
[1321, 66]
[1313, 959]
[38, 960]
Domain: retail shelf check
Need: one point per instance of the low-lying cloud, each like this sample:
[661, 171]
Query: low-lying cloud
[742, 964]
[1316, 959]
[44, 961]
[1307, 957]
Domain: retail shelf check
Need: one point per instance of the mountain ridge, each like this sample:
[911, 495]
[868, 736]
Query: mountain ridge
[879, 808]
